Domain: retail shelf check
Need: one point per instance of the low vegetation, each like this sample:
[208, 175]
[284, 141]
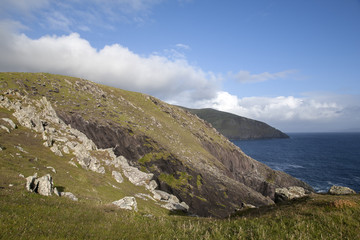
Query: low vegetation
[29, 216]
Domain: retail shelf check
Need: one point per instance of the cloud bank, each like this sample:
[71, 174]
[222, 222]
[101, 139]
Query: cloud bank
[310, 112]
[115, 65]
[246, 77]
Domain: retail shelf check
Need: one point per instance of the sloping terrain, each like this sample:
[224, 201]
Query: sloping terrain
[187, 157]
[236, 127]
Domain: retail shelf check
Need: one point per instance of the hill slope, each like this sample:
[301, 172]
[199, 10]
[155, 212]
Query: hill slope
[236, 127]
[185, 155]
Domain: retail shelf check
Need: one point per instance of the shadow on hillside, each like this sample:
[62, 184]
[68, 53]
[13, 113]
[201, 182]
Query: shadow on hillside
[60, 189]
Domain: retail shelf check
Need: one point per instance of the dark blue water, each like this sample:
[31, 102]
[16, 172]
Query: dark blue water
[320, 159]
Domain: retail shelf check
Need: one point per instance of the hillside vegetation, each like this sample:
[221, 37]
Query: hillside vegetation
[187, 157]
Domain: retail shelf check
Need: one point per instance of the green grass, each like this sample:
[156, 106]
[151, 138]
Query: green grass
[29, 216]
[178, 182]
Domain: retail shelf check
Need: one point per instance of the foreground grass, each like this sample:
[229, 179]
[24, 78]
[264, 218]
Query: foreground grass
[25, 215]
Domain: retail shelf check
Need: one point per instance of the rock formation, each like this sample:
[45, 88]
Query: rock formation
[43, 185]
[340, 190]
[285, 194]
[128, 203]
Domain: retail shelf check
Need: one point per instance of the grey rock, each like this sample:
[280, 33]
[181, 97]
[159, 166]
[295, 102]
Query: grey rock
[285, 194]
[52, 169]
[10, 122]
[117, 176]
[176, 206]
[151, 186]
[30, 183]
[55, 149]
[56, 192]
[136, 176]
[339, 190]
[44, 185]
[144, 196]
[128, 203]
[246, 205]
[20, 149]
[5, 128]
[66, 150]
[161, 195]
[69, 195]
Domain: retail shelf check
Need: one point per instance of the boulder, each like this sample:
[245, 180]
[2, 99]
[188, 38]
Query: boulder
[285, 194]
[128, 203]
[69, 195]
[44, 185]
[151, 186]
[117, 176]
[30, 183]
[136, 176]
[161, 195]
[339, 190]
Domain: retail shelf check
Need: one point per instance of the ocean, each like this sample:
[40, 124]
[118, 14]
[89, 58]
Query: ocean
[319, 159]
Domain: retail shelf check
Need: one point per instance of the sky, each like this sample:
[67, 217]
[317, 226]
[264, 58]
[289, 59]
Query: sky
[292, 64]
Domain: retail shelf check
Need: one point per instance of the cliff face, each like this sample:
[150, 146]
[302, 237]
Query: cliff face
[187, 156]
[236, 127]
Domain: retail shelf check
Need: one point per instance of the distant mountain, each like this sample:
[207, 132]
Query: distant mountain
[236, 127]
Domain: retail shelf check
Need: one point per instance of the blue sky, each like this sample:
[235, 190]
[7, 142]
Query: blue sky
[293, 64]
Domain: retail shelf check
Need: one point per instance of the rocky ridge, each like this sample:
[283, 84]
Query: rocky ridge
[61, 138]
[237, 127]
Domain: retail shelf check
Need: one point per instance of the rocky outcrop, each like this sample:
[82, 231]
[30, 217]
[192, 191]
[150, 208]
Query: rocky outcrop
[340, 190]
[128, 203]
[43, 185]
[286, 194]
[58, 136]
[171, 201]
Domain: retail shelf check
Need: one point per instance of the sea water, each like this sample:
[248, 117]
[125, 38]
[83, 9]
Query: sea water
[320, 159]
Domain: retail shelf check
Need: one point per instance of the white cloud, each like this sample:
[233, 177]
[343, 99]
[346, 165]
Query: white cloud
[115, 65]
[312, 112]
[247, 77]
[183, 46]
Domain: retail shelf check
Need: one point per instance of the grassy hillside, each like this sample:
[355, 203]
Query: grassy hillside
[187, 156]
[25, 215]
[236, 127]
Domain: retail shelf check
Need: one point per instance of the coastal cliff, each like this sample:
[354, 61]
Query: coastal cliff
[184, 155]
